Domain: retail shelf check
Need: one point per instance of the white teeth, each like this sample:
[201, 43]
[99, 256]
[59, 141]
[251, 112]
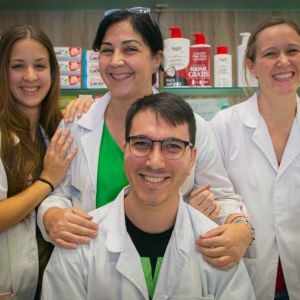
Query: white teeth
[283, 75]
[120, 75]
[154, 179]
[29, 89]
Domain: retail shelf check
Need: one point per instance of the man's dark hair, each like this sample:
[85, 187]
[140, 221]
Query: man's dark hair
[170, 107]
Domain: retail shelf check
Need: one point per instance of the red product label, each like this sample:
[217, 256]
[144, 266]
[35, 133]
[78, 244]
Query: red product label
[74, 65]
[198, 70]
[74, 51]
[74, 79]
[174, 77]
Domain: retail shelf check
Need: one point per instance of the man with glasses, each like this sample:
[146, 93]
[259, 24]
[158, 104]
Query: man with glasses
[146, 245]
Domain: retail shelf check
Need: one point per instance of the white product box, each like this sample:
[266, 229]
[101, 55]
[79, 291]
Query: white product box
[69, 67]
[68, 53]
[93, 82]
[90, 56]
[91, 69]
[70, 81]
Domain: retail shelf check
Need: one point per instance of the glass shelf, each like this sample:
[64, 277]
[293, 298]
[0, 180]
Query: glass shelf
[183, 91]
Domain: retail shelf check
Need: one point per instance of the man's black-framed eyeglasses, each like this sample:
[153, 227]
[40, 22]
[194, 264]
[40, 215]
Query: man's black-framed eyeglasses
[171, 148]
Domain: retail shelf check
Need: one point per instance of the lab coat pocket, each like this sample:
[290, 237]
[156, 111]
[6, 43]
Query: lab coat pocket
[250, 264]
[191, 298]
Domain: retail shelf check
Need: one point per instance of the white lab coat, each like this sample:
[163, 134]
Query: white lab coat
[271, 193]
[80, 182]
[110, 268]
[19, 261]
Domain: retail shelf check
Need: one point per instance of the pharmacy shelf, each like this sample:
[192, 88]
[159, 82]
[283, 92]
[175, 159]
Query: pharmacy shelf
[183, 91]
[206, 91]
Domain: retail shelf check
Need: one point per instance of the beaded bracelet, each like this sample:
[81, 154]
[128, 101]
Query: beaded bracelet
[48, 182]
[243, 219]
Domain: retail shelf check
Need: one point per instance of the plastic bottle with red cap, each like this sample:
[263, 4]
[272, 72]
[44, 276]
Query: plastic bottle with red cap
[176, 58]
[199, 68]
[222, 67]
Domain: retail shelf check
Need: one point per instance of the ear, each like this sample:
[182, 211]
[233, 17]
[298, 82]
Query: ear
[157, 60]
[123, 145]
[192, 159]
[251, 67]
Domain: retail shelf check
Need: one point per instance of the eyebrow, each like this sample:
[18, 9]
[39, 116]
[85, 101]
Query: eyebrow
[123, 42]
[289, 45]
[21, 60]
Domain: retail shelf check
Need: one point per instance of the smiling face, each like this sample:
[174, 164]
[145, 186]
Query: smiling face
[29, 74]
[126, 63]
[277, 62]
[155, 180]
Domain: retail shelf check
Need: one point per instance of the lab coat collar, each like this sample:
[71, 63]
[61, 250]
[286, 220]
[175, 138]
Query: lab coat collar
[119, 242]
[292, 148]
[91, 119]
[178, 249]
[116, 226]
[249, 112]
[251, 117]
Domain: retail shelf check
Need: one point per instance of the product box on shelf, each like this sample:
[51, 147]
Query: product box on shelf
[90, 56]
[68, 53]
[69, 61]
[91, 75]
[69, 67]
[93, 82]
[91, 69]
[70, 81]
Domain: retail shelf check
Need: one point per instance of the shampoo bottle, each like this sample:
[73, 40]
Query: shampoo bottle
[176, 58]
[222, 67]
[249, 80]
[198, 71]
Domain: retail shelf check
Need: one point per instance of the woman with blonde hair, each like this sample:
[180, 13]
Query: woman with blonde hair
[259, 141]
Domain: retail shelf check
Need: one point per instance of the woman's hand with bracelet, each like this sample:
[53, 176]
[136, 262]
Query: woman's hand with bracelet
[58, 157]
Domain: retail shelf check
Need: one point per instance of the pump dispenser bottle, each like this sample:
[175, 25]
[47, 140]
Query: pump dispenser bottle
[222, 67]
[249, 80]
[176, 58]
[199, 72]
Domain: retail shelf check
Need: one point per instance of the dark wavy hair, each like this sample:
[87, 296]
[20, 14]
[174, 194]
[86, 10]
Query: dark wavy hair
[141, 23]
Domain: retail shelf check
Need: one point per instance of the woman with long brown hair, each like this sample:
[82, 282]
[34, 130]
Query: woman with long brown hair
[29, 116]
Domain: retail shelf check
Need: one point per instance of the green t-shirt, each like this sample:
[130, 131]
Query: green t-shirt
[111, 176]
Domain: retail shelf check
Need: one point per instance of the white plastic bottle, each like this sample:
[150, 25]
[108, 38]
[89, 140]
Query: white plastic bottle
[198, 70]
[176, 58]
[222, 67]
[250, 80]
